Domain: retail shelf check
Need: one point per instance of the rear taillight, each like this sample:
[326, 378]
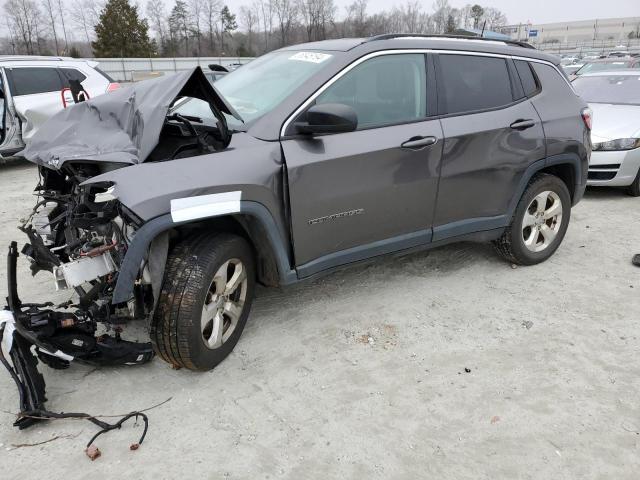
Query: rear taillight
[587, 117]
[113, 86]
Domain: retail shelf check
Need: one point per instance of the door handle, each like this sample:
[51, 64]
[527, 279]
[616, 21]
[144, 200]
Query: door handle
[418, 143]
[522, 124]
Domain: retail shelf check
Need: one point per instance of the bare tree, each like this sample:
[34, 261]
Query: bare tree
[494, 18]
[316, 15]
[84, 16]
[197, 10]
[441, 11]
[64, 27]
[356, 21]
[211, 14]
[48, 8]
[23, 17]
[157, 15]
[287, 14]
[465, 18]
[413, 17]
[249, 19]
[265, 12]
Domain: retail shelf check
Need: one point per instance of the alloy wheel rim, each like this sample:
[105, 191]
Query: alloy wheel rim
[224, 303]
[542, 221]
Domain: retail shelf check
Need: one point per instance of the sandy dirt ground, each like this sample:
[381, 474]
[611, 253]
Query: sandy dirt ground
[362, 374]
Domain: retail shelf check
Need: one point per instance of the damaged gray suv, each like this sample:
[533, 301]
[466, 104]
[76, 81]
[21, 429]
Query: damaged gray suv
[168, 200]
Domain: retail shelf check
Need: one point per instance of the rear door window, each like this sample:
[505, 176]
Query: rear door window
[31, 80]
[526, 76]
[474, 83]
[384, 90]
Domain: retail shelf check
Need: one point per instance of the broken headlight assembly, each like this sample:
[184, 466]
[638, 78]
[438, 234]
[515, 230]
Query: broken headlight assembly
[79, 234]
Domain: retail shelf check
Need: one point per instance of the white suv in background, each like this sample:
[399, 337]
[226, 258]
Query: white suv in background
[31, 91]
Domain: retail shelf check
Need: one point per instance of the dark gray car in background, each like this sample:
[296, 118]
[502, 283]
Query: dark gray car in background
[305, 160]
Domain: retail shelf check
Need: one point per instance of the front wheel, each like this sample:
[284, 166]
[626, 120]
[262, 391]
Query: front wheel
[205, 300]
[634, 188]
[539, 222]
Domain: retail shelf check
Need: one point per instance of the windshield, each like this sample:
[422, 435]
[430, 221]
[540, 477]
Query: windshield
[259, 86]
[619, 89]
[601, 67]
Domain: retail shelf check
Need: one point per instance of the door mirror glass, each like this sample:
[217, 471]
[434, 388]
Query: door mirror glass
[328, 118]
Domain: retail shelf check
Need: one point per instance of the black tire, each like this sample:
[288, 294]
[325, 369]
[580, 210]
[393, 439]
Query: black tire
[176, 326]
[511, 245]
[634, 188]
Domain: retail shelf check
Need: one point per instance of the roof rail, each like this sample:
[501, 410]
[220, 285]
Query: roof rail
[37, 58]
[389, 36]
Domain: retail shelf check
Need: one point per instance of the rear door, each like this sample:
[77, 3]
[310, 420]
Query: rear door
[492, 134]
[363, 193]
[37, 95]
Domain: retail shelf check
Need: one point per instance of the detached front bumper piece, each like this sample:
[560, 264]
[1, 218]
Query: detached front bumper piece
[59, 337]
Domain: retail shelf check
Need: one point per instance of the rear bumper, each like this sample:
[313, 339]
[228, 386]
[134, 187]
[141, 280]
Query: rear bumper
[615, 169]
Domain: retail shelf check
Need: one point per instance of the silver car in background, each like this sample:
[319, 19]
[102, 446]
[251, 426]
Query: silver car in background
[614, 98]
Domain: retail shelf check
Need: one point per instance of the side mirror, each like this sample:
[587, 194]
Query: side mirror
[329, 118]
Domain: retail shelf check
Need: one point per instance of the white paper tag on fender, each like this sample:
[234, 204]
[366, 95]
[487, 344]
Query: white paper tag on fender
[203, 206]
[313, 57]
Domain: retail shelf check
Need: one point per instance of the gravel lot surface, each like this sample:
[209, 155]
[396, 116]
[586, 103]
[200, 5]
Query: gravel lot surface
[448, 364]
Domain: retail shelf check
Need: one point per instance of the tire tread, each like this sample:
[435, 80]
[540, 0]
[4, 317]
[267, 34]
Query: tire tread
[181, 286]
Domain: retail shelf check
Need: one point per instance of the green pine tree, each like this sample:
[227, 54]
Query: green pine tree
[121, 32]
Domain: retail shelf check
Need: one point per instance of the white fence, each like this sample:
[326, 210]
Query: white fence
[131, 69]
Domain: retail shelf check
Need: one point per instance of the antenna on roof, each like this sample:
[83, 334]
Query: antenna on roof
[483, 25]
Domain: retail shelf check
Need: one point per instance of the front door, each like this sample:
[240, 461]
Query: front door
[10, 141]
[371, 191]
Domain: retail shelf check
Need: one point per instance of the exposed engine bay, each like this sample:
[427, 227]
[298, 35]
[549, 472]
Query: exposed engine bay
[80, 236]
[80, 233]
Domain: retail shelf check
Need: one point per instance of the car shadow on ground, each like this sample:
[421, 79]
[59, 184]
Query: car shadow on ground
[605, 192]
[10, 164]
[440, 261]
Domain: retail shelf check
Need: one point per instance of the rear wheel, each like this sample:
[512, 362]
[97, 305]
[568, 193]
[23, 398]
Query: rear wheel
[539, 222]
[205, 300]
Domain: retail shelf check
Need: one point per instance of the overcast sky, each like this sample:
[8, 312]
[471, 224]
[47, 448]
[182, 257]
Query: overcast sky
[517, 11]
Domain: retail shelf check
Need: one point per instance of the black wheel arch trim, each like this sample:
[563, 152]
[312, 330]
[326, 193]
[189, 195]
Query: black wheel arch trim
[287, 274]
[139, 247]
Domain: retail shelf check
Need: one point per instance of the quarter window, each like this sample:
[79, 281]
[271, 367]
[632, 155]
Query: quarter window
[30, 80]
[72, 74]
[526, 76]
[475, 82]
[384, 90]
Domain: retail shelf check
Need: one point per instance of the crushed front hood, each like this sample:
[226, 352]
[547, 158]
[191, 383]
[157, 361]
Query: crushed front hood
[122, 126]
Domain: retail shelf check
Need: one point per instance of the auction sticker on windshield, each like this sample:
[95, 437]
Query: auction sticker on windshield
[313, 57]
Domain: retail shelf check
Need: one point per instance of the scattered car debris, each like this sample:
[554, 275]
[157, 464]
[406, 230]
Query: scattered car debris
[36, 444]
[93, 452]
